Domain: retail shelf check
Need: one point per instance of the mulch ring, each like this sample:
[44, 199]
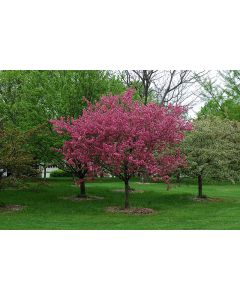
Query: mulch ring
[130, 211]
[79, 199]
[130, 191]
[207, 199]
[11, 208]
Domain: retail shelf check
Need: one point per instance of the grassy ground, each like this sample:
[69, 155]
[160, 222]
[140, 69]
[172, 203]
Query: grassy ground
[175, 209]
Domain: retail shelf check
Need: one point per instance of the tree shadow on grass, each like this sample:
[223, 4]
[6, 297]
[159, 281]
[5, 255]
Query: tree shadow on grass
[157, 200]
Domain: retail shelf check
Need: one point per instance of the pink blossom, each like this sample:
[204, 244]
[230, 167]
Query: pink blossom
[125, 137]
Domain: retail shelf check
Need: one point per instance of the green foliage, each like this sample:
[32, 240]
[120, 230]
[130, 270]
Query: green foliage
[13, 108]
[62, 93]
[12, 182]
[60, 173]
[227, 109]
[14, 154]
[29, 99]
[213, 148]
[222, 100]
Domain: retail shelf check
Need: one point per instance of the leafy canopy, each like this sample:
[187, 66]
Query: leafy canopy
[213, 147]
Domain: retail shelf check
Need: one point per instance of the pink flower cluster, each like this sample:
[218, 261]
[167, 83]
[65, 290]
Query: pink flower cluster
[125, 137]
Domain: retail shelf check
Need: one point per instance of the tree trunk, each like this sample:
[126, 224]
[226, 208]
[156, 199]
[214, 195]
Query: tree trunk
[144, 178]
[178, 178]
[1, 181]
[145, 98]
[126, 194]
[44, 172]
[200, 195]
[82, 189]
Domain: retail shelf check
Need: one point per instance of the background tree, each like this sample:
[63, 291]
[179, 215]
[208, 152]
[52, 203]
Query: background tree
[28, 99]
[221, 95]
[12, 109]
[61, 93]
[212, 150]
[164, 86]
[14, 157]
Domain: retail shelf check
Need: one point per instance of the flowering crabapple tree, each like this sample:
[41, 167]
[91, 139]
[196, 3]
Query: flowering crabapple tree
[126, 138]
[76, 158]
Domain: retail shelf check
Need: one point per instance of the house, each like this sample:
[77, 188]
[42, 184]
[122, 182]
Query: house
[45, 172]
[3, 173]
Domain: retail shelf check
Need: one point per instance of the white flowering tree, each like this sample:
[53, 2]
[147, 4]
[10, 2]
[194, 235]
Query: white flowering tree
[213, 150]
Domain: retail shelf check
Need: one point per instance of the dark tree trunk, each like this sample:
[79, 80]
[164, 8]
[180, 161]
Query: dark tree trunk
[200, 195]
[44, 172]
[126, 194]
[145, 98]
[178, 178]
[82, 189]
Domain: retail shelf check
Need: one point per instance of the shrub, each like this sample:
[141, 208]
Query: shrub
[12, 182]
[60, 173]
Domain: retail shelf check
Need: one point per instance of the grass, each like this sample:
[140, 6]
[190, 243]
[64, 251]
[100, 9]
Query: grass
[45, 207]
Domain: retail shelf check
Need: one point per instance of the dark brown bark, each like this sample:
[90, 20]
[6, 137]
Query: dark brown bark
[178, 178]
[126, 194]
[145, 77]
[82, 189]
[200, 195]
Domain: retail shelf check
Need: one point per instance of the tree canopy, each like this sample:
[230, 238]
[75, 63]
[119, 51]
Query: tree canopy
[125, 138]
[28, 99]
[222, 96]
[212, 150]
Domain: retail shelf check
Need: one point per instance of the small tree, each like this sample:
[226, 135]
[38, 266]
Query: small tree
[126, 138]
[14, 157]
[75, 157]
[212, 150]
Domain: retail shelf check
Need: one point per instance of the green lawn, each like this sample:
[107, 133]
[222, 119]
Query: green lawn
[175, 209]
